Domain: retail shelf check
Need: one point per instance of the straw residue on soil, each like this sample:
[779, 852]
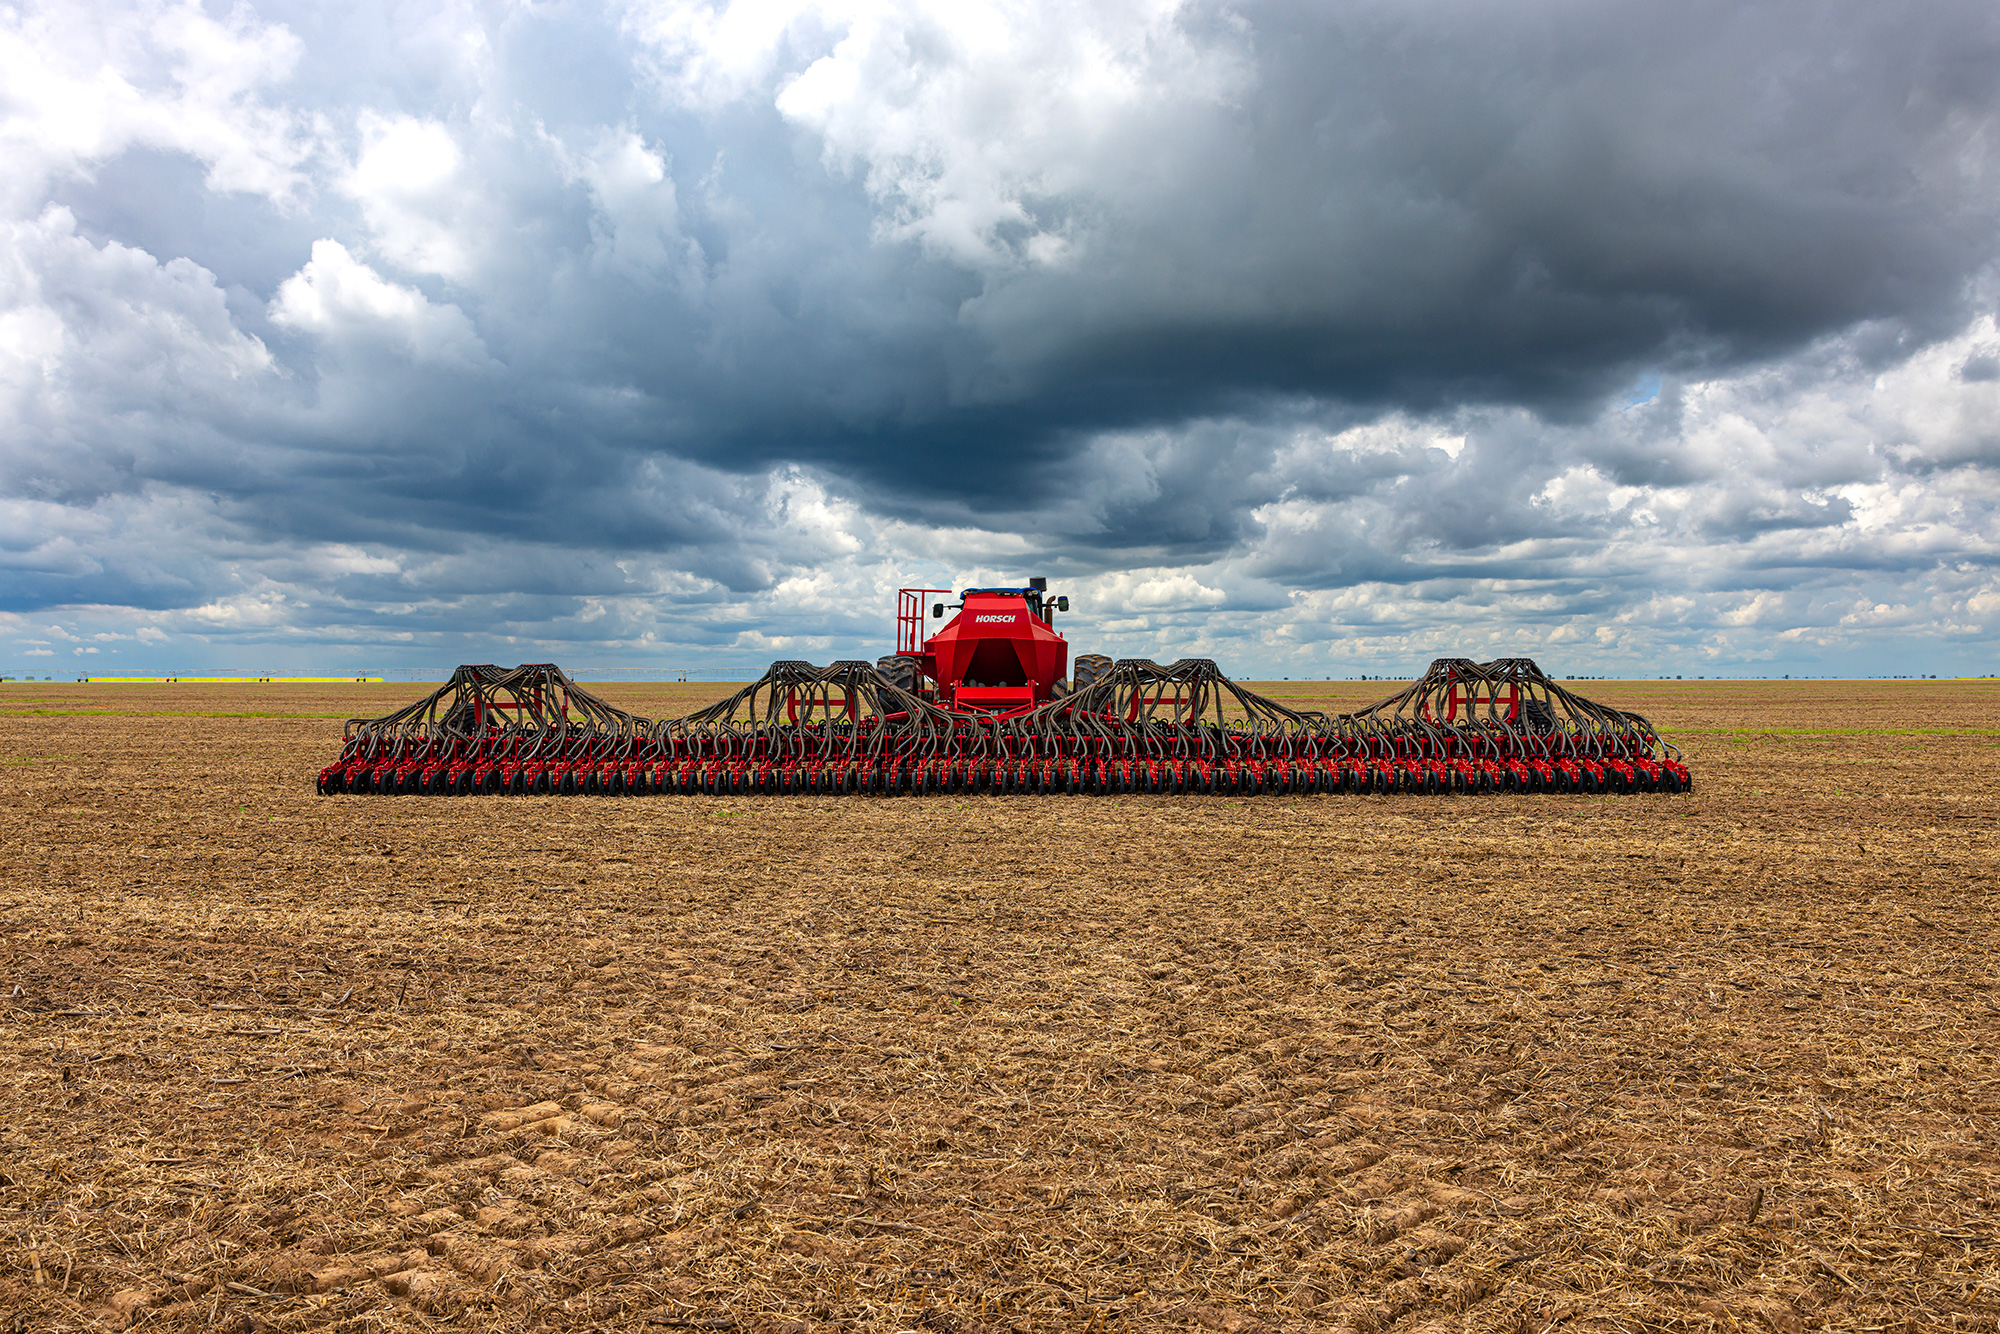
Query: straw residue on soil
[281, 1062]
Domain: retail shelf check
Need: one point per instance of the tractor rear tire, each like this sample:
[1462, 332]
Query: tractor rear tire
[1087, 669]
[899, 670]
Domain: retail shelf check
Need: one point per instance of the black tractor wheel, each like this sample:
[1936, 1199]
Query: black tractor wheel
[899, 670]
[1087, 670]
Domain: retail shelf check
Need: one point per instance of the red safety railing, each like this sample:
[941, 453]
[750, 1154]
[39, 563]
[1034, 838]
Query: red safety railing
[912, 605]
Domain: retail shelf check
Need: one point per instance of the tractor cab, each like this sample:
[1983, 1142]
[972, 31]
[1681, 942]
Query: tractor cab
[1000, 653]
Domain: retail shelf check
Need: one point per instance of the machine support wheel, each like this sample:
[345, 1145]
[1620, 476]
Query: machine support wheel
[1087, 669]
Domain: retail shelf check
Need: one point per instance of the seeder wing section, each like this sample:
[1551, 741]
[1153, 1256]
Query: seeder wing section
[848, 729]
[487, 730]
[1504, 726]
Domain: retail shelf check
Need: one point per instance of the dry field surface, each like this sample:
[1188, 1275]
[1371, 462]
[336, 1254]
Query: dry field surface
[282, 1062]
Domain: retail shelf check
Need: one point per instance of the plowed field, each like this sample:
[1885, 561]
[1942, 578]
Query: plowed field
[282, 1062]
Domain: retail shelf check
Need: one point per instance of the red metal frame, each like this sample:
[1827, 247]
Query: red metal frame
[997, 701]
[1511, 698]
[1172, 703]
[846, 702]
[911, 606]
[481, 702]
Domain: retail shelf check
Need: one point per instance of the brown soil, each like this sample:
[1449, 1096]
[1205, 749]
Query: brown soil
[281, 1062]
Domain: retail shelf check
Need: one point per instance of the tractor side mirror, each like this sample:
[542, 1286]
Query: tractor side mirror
[937, 609]
[1062, 604]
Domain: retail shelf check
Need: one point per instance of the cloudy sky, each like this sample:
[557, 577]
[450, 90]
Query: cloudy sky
[1320, 338]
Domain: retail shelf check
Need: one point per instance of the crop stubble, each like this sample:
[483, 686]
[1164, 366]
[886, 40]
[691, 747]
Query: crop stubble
[284, 1062]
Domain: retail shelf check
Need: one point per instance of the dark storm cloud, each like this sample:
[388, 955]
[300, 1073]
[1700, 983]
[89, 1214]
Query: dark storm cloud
[1412, 205]
[1428, 205]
